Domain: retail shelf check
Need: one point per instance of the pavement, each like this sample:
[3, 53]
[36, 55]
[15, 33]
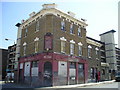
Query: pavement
[82, 85]
[14, 85]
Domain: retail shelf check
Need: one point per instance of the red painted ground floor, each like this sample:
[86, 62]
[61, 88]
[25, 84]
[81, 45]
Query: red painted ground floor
[52, 69]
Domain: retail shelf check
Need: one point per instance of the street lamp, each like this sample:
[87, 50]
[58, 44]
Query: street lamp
[10, 40]
[12, 60]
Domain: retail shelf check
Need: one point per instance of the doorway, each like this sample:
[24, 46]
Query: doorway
[47, 74]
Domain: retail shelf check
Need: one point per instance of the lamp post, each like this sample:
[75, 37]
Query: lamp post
[12, 60]
[10, 40]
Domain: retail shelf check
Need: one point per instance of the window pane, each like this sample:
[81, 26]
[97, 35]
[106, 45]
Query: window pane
[36, 46]
[62, 46]
[80, 50]
[37, 26]
[79, 32]
[35, 64]
[71, 48]
[72, 65]
[71, 29]
[63, 25]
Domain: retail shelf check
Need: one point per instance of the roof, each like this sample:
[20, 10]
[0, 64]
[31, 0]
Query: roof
[96, 40]
[111, 31]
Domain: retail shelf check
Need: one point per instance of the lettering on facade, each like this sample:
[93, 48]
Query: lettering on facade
[73, 60]
[47, 57]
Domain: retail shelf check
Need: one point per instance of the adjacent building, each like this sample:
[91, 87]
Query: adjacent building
[108, 39]
[94, 58]
[3, 63]
[119, 24]
[11, 60]
[118, 58]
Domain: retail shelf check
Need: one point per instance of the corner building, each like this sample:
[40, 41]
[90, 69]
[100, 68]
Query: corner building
[53, 49]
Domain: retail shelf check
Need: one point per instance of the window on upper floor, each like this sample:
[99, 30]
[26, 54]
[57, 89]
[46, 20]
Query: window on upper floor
[24, 48]
[79, 32]
[71, 29]
[72, 48]
[63, 25]
[36, 44]
[80, 48]
[37, 26]
[26, 31]
[63, 41]
[89, 51]
[96, 51]
[63, 46]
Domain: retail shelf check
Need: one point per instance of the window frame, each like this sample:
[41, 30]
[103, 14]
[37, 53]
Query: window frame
[63, 25]
[71, 28]
[63, 46]
[79, 32]
[26, 31]
[72, 48]
[37, 27]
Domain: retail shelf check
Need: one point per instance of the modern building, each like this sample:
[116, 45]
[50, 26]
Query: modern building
[4, 54]
[108, 39]
[119, 24]
[11, 60]
[118, 58]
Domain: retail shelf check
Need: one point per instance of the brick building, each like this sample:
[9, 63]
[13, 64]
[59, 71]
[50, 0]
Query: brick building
[54, 50]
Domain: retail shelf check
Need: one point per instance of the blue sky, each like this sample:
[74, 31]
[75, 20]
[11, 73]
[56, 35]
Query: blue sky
[101, 16]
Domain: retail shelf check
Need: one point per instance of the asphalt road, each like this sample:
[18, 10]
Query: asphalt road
[107, 86]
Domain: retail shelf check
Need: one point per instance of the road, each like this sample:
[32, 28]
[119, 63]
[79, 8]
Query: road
[107, 86]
